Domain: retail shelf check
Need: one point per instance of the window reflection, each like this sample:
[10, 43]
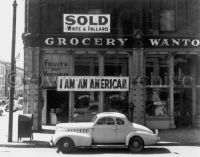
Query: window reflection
[116, 101]
[157, 91]
[86, 104]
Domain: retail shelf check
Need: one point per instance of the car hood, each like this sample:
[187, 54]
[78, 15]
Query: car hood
[83, 125]
[138, 127]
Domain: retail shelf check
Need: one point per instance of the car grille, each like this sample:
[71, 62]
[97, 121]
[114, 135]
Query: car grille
[78, 130]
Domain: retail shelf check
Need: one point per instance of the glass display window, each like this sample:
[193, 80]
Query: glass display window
[116, 65]
[86, 66]
[157, 102]
[184, 74]
[86, 103]
[157, 70]
[116, 101]
[157, 85]
[86, 106]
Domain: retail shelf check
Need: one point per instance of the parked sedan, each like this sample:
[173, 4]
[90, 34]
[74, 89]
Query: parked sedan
[1, 111]
[107, 128]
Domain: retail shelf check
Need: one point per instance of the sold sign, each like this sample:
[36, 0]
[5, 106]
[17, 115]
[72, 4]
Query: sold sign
[86, 23]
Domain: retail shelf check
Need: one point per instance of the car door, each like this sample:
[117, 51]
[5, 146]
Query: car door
[105, 131]
[122, 130]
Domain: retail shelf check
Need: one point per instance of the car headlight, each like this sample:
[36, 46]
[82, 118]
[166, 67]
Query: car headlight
[155, 131]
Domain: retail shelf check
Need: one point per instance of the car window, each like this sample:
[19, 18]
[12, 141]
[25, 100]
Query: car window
[93, 108]
[106, 121]
[119, 121]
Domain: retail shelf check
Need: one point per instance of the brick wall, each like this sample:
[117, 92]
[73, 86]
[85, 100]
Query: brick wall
[31, 94]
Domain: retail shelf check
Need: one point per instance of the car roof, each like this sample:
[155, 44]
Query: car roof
[112, 114]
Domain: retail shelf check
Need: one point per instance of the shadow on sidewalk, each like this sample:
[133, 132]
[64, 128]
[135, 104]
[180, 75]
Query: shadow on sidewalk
[89, 151]
[177, 144]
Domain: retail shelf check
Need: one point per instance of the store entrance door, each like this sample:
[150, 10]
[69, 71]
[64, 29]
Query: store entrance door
[183, 107]
[57, 106]
[184, 71]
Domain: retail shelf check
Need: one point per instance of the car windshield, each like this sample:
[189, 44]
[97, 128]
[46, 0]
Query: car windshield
[94, 119]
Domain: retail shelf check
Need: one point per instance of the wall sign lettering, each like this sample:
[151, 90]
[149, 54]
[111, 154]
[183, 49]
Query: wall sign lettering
[92, 83]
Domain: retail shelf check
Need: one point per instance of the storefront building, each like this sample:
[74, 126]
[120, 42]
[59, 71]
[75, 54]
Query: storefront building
[137, 57]
[2, 79]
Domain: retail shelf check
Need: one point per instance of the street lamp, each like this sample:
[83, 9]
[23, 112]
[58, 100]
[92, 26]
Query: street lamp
[12, 76]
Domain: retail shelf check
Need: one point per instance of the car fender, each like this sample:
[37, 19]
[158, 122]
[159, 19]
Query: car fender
[147, 137]
[79, 139]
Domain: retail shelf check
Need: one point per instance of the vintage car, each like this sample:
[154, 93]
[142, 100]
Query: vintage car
[107, 128]
[1, 111]
[16, 106]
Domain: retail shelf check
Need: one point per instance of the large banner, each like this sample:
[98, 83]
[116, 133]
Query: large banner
[92, 83]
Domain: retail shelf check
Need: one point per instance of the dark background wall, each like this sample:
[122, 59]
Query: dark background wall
[127, 16]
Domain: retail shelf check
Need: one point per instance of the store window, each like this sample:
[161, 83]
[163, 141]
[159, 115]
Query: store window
[77, 6]
[184, 73]
[167, 16]
[95, 4]
[167, 20]
[116, 101]
[157, 85]
[86, 103]
[86, 106]
[106, 121]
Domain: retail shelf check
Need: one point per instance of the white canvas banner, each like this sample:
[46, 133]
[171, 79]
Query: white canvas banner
[92, 83]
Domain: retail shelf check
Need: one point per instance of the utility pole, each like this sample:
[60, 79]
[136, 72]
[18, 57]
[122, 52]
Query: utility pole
[12, 74]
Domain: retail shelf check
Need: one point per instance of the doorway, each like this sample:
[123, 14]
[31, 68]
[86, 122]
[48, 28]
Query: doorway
[58, 102]
[183, 107]
[184, 71]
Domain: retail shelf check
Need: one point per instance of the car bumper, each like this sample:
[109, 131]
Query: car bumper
[51, 142]
[158, 138]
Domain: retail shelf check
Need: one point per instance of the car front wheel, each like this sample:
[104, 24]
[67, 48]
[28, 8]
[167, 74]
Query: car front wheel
[65, 145]
[136, 144]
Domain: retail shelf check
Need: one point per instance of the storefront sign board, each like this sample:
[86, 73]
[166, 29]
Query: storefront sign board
[170, 42]
[92, 83]
[110, 41]
[86, 23]
[54, 65]
[86, 41]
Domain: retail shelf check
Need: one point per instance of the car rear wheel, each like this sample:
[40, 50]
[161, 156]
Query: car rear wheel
[65, 145]
[136, 144]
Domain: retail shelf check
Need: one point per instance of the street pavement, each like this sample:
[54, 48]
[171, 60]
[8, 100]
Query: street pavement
[173, 143]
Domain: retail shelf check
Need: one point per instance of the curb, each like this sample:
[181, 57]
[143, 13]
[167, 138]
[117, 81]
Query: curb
[45, 144]
[27, 144]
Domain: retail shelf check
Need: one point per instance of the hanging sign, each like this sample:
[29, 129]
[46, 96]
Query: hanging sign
[86, 23]
[92, 83]
[54, 65]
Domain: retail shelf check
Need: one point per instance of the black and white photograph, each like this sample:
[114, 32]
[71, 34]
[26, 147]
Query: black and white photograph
[100, 78]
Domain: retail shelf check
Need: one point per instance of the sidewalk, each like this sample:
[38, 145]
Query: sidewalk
[183, 136]
[40, 139]
[169, 137]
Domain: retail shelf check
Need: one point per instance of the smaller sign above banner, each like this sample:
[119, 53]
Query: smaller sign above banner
[86, 23]
[92, 83]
